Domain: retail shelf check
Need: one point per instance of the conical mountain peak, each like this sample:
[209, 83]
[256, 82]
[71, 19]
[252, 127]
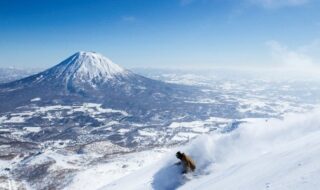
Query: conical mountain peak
[87, 67]
[91, 64]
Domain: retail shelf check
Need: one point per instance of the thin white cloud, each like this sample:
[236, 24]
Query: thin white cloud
[313, 47]
[284, 56]
[279, 3]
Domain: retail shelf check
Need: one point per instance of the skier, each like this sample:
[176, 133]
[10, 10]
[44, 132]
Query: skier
[186, 162]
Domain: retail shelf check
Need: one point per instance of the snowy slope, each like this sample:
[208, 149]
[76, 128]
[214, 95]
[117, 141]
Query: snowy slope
[260, 154]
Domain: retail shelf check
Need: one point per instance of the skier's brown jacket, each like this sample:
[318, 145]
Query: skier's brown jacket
[187, 163]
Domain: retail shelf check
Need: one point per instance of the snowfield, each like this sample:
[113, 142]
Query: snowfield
[278, 154]
[97, 176]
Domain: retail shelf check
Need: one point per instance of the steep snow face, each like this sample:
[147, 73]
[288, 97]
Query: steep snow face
[260, 154]
[87, 67]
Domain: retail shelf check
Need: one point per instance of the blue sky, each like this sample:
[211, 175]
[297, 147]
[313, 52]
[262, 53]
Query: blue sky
[161, 33]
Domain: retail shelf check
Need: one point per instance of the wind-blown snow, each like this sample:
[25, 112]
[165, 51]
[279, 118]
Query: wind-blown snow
[260, 154]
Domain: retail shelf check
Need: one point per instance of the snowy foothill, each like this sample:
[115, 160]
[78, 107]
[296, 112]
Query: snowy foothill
[55, 111]
[280, 154]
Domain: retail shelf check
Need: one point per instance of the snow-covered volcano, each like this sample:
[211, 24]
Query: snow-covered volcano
[91, 77]
[87, 67]
[80, 71]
